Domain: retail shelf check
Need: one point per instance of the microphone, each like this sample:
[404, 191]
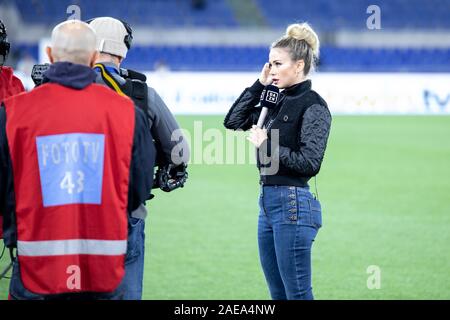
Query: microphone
[268, 100]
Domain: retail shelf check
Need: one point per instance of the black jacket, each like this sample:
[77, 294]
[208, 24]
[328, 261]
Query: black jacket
[303, 122]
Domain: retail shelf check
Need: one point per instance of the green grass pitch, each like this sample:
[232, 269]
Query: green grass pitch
[385, 193]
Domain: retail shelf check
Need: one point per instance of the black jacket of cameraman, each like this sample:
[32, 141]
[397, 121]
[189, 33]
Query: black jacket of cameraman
[303, 120]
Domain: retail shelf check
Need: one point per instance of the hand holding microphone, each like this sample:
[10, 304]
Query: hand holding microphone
[257, 136]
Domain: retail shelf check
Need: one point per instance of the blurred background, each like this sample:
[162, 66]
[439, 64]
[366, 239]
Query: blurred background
[384, 70]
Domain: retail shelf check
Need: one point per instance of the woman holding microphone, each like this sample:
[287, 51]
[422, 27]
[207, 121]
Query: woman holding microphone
[290, 216]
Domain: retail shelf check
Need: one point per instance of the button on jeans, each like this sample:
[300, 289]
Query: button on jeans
[289, 220]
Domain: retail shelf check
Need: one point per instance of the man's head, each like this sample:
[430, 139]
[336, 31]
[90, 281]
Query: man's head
[4, 44]
[114, 37]
[73, 41]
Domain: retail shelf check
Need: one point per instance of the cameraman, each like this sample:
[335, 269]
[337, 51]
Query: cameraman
[114, 39]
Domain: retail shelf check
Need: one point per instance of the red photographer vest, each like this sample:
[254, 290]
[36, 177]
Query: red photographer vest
[71, 153]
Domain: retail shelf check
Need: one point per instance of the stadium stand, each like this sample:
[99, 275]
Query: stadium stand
[327, 15]
[349, 14]
[167, 13]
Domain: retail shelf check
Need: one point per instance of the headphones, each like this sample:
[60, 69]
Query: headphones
[4, 44]
[128, 40]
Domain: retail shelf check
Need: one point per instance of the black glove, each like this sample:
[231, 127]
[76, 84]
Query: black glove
[37, 74]
[131, 74]
[171, 177]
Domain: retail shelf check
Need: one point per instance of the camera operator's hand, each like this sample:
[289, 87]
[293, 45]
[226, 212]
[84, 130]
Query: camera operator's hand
[265, 78]
[171, 177]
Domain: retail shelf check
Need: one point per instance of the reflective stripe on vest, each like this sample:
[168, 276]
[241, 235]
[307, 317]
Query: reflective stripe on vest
[68, 247]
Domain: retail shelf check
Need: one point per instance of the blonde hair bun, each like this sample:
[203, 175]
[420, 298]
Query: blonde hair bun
[303, 31]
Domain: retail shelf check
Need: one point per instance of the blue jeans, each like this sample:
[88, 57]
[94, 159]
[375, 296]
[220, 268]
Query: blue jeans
[129, 289]
[289, 220]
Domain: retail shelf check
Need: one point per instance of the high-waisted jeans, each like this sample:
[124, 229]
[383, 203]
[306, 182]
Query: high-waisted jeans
[288, 223]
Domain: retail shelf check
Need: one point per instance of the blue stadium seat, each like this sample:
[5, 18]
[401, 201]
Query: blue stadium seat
[325, 15]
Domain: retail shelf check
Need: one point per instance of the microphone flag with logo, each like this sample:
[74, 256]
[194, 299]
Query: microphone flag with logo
[268, 100]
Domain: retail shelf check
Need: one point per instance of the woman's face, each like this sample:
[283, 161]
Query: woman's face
[283, 71]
